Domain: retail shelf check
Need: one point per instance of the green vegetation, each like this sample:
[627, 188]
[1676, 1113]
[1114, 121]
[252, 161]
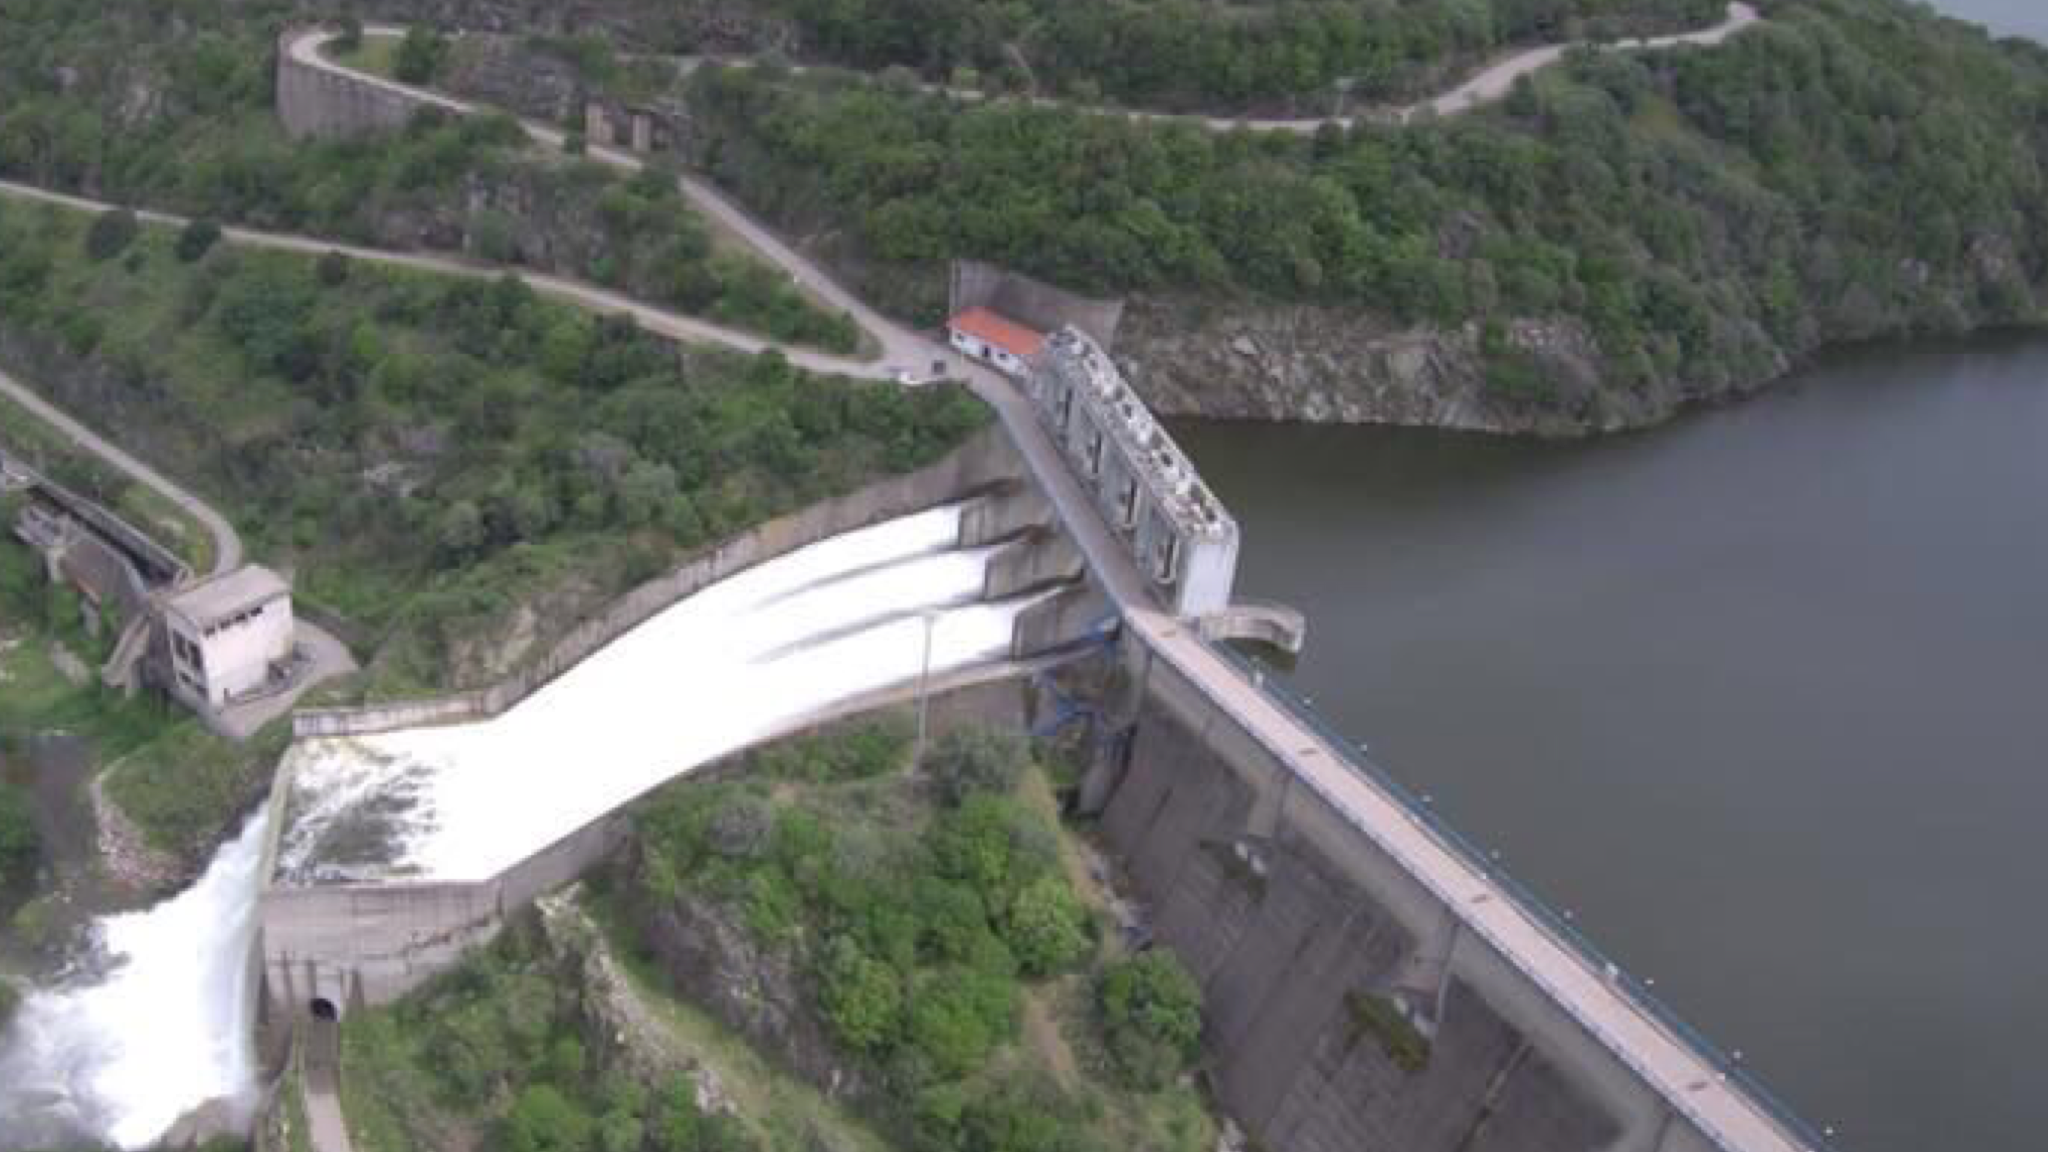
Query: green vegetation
[204, 141]
[181, 784]
[496, 1051]
[1379, 1017]
[1849, 169]
[420, 55]
[1183, 53]
[878, 916]
[930, 920]
[1152, 1012]
[429, 451]
[20, 849]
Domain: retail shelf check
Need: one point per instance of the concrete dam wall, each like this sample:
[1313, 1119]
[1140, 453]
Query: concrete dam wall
[1308, 939]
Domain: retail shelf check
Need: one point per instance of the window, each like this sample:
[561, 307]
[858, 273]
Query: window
[1169, 558]
[1095, 452]
[1128, 503]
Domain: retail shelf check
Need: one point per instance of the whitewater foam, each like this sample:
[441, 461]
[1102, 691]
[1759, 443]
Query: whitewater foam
[723, 668]
[164, 1028]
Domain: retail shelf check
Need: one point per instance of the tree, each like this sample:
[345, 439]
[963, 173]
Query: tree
[420, 55]
[863, 997]
[111, 233]
[332, 268]
[976, 759]
[196, 239]
[1152, 1015]
[1047, 926]
[350, 36]
[543, 1120]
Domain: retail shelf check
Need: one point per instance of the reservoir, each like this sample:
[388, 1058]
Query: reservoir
[1759, 696]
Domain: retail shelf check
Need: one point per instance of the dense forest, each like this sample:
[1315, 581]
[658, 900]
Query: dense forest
[1849, 169]
[1185, 54]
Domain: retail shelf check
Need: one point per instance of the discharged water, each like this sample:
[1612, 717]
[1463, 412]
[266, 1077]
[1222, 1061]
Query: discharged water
[158, 1025]
[1759, 696]
[735, 662]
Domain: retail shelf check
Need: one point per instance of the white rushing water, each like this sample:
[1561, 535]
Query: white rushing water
[164, 1027]
[740, 660]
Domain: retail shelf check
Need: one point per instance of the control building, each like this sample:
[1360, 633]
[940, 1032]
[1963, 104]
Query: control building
[227, 638]
[1181, 536]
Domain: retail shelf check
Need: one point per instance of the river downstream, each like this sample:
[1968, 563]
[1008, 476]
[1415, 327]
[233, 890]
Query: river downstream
[1757, 695]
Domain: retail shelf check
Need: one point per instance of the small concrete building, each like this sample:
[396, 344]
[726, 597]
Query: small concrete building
[225, 637]
[1003, 344]
[1180, 535]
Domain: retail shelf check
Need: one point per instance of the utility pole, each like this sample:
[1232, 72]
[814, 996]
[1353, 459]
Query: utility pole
[924, 676]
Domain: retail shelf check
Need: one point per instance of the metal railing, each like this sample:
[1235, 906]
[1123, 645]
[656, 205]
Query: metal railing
[1560, 926]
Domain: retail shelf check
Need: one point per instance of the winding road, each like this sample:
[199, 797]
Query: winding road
[227, 543]
[1690, 1082]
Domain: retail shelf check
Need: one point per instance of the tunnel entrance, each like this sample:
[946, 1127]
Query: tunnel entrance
[323, 1009]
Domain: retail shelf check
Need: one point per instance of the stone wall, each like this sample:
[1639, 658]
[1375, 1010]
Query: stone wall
[1287, 913]
[311, 102]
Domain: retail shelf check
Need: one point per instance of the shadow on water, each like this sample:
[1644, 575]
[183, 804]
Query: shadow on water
[1756, 694]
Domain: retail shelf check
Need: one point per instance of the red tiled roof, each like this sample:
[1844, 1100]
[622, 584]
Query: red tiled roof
[990, 328]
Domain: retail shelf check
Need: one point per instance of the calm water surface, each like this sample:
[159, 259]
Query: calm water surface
[2004, 17]
[1762, 696]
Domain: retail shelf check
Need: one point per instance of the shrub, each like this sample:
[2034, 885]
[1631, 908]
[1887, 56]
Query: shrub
[544, 1120]
[1406, 1047]
[111, 233]
[197, 239]
[976, 759]
[1047, 926]
[1151, 1016]
[421, 55]
[332, 269]
[863, 997]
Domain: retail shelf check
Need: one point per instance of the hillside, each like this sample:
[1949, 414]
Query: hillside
[1626, 234]
[827, 948]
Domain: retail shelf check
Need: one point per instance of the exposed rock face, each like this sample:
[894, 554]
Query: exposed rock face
[1245, 360]
[719, 965]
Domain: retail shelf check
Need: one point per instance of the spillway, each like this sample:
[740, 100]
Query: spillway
[719, 670]
[157, 1026]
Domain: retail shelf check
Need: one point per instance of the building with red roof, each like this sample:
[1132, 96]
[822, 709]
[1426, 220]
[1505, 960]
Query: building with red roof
[994, 340]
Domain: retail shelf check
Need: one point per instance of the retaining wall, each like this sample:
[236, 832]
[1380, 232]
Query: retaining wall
[1284, 910]
[312, 102]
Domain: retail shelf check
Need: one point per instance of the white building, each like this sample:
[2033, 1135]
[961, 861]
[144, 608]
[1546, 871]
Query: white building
[1004, 344]
[1178, 532]
[224, 636]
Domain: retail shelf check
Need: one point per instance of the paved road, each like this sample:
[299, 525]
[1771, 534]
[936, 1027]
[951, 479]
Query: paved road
[1491, 83]
[227, 544]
